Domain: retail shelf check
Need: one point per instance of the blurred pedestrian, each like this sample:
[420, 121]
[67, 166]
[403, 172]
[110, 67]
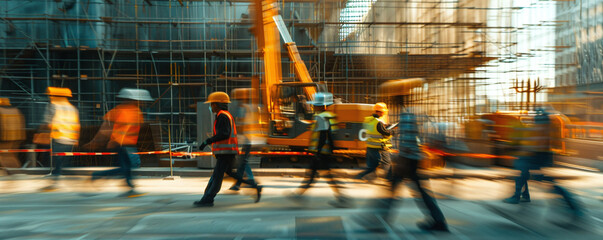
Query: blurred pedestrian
[122, 126]
[12, 133]
[225, 149]
[405, 166]
[534, 145]
[378, 142]
[63, 121]
[243, 118]
[322, 145]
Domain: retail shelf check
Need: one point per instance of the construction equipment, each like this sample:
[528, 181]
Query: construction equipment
[289, 115]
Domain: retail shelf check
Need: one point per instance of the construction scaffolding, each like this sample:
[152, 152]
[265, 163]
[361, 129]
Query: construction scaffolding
[183, 50]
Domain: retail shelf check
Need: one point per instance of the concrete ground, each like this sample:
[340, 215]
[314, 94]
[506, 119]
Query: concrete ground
[472, 206]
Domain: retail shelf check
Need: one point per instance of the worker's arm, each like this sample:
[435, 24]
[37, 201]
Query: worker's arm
[222, 129]
[382, 128]
[101, 138]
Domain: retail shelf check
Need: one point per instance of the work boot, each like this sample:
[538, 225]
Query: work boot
[525, 197]
[512, 200]
[432, 226]
[203, 204]
[258, 193]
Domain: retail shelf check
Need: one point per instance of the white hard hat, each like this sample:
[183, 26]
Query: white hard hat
[135, 94]
[322, 99]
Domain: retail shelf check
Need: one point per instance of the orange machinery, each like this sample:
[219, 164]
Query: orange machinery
[289, 117]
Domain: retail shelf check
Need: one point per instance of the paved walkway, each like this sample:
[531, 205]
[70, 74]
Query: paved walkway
[472, 206]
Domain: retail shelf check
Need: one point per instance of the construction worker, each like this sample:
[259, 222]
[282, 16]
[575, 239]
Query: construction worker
[243, 117]
[63, 121]
[122, 125]
[225, 148]
[378, 142]
[12, 133]
[535, 153]
[405, 166]
[322, 145]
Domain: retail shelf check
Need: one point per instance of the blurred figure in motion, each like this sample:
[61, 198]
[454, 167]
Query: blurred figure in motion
[12, 133]
[321, 145]
[534, 145]
[378, 142]
[224, 147]
[243, 118]
[63, 121]
[405, 167]
[122, 125]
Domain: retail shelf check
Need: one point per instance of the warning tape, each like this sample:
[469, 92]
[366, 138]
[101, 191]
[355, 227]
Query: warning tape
[83, 153]
[281, 153]
[23, 150]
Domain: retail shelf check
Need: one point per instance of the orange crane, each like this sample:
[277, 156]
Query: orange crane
[289, 118]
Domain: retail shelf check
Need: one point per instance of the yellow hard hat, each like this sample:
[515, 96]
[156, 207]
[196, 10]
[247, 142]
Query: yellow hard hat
[61, 92]
[218, 97]
[380, 107]
[4, 102]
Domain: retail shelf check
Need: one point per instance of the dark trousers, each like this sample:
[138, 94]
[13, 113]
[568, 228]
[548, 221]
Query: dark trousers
[224, 164]
[244, 166]
[59, 161]
[406, 168]
[538, 160]
[126, 158]
[374, 157]
[320, 162]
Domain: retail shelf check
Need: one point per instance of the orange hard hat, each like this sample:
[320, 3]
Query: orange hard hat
[60, 92]
[380, 107]
[4, 102]
[218, 97]
[241, 93]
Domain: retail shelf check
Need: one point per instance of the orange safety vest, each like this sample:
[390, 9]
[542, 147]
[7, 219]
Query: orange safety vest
[229, 145]
[126, 119]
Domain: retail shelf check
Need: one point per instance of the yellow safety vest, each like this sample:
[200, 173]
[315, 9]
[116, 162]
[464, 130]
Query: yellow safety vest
[65, 125]
[375, 138]
[326, 149]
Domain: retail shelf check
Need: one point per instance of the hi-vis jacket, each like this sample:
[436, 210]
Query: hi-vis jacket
[126, 119]
[64, 122]
[230, 144]
[375, 138]
[322, 118]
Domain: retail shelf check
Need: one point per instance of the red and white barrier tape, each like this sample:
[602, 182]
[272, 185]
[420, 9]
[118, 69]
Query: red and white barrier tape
[84, 153]
[282, 153]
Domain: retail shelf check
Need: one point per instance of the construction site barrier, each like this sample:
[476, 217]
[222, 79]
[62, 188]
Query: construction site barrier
[280, 153]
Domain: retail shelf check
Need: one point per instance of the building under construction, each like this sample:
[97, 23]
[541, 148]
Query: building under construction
[474, 56]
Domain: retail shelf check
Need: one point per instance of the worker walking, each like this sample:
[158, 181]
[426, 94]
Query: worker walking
[62, 120]
[243, 118]
[122, 125]
[535, 152]
[224, 147]
[12, 133]
[378, 142]
[405, 166]
[322, 145]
